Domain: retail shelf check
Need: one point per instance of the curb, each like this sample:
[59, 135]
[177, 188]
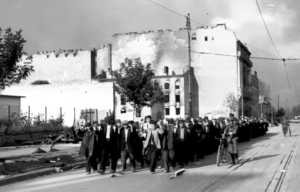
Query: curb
[36, 173]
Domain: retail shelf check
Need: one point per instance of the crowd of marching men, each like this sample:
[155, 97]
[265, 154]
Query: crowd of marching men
[173, 142]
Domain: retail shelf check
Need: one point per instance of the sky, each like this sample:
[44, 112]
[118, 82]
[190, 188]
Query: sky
[86, 24]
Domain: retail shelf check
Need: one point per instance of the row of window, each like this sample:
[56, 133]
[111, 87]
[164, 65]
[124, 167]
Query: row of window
[167, 111]
[167, 85]
[194, 38]
[167, 98]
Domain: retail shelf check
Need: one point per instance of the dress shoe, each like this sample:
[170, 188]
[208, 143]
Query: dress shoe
[112, 171]
[166, 171]
[101, 172]
[133, 170]
[122, 171]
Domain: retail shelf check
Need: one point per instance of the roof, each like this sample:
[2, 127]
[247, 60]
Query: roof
[12, 96]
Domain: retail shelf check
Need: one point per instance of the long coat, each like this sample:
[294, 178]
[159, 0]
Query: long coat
[131, 139]
[88, 145]
[232, 138]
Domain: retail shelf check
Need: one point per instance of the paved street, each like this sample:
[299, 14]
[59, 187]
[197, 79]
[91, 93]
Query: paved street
[268, 163]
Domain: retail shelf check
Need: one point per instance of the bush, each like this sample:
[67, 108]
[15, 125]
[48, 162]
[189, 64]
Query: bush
[21, 124]
[40, 82]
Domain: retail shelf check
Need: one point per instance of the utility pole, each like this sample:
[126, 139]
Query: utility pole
[188, 25]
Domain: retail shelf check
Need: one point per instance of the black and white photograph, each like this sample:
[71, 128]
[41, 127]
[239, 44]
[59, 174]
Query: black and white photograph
[149, 95]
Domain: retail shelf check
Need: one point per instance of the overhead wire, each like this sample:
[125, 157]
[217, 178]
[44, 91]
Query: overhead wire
[199, 23]
[252, 57]
[274, 45]
[175, 12]
[247, 44]
[267, 29]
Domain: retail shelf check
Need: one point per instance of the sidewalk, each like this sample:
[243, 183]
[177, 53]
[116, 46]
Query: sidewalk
[23, 163]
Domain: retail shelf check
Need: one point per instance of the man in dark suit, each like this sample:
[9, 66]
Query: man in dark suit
[164, 146]
[127, 141]
[109, 148]
[88, 147]
[182, 144]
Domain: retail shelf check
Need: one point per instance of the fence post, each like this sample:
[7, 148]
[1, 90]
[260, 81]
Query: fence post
[28, 126]
[60, 118]
[28, 114]
[46, 114]
[86, 116]
[90, 115]
[6, 131]
[8, 113]
[74, 117]
[46, 119]
[97, 115]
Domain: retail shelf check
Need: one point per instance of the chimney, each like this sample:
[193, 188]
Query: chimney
[255, 73]
[166, 70]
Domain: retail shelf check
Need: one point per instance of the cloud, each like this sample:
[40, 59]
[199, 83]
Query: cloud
[18, 6]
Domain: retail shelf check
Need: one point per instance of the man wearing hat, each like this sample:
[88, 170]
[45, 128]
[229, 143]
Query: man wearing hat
[127, 140]
[231, 133]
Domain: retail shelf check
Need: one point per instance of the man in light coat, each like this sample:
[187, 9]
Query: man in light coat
[152, 142]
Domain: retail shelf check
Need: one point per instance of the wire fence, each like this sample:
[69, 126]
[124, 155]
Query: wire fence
[45, 119]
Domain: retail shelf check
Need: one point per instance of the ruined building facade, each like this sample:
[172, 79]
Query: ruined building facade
[84, 78]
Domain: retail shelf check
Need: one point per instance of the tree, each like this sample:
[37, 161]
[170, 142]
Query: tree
[135, 82]
[280, 112]
[231, 102]
[11, 51]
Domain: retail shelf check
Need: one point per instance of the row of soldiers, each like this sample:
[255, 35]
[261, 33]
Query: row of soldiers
[173, 141]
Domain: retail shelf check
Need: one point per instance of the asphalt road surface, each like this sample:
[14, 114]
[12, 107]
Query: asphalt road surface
[267, 163]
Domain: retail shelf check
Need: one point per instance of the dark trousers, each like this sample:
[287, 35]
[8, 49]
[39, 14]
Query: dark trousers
[193, 152]
[91, 163]
[182, 153]
[172, 157]
[200, 149]
[126, 154]
[165, 159]
[109, 153]
[152, 155]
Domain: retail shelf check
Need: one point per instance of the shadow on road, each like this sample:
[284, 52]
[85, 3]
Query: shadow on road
[263, 157]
